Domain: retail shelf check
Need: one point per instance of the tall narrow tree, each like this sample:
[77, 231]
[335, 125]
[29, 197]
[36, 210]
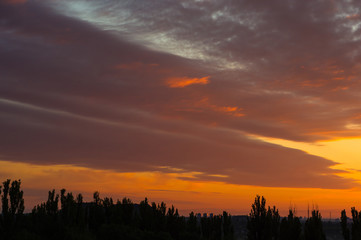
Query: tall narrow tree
[257, 219]
[314, 228]
[344, 227]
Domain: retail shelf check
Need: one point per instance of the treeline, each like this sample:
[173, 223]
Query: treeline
[103, 218]
[65, 216]
[265, 224]
[353, 230]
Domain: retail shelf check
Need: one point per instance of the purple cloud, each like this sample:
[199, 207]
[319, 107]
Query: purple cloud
[92, 87]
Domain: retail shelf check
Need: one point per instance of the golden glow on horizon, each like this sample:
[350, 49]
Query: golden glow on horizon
[187, 195]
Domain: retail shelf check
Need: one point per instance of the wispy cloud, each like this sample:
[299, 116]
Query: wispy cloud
[181, 82]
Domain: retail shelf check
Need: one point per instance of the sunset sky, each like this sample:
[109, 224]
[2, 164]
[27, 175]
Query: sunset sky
[201, 104]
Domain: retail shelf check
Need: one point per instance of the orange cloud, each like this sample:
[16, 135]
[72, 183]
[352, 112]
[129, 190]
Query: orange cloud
[235, 111]
[313, 83]
[353, 17]
[231, 110]
[181, 82]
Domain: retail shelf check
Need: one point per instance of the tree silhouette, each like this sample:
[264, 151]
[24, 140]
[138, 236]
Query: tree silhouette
[146, 215]
[68, 208]
[5, 203]
[344, 227]
[356, 224]
[96, 197]
[52, 203]
[291, 227]
[193, 231]
[45, 217]
[11, 214]
[16, 199]
[96, 213]
[272, 223]
[80, 213]
[313, 227]
[262, 223]
[228, 231]
[175, 223]
[102, 219]
[127, 208]
[159, 214]
[256, 222]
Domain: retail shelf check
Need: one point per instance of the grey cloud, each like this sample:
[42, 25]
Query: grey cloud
[310, 48]
[76, 93]
[128, 147]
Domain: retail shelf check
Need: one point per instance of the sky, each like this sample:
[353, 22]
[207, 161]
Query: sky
[202, 104]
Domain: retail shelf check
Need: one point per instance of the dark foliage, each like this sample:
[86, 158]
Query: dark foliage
[313, 227]
[263, 223]
[12, 208]
[355, 232]
[67, 216]
[291, 227]
[345, 230]
[102, 219]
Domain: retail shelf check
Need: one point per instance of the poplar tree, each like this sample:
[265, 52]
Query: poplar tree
[343, 222]
[12, 206]
[256, 221]
[314, 228]
[291, 227]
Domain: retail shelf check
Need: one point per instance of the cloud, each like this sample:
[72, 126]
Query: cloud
[12, 2]
[142, 143]
[255, 55]
[135, 66]
[181, 82]
[89, 90]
